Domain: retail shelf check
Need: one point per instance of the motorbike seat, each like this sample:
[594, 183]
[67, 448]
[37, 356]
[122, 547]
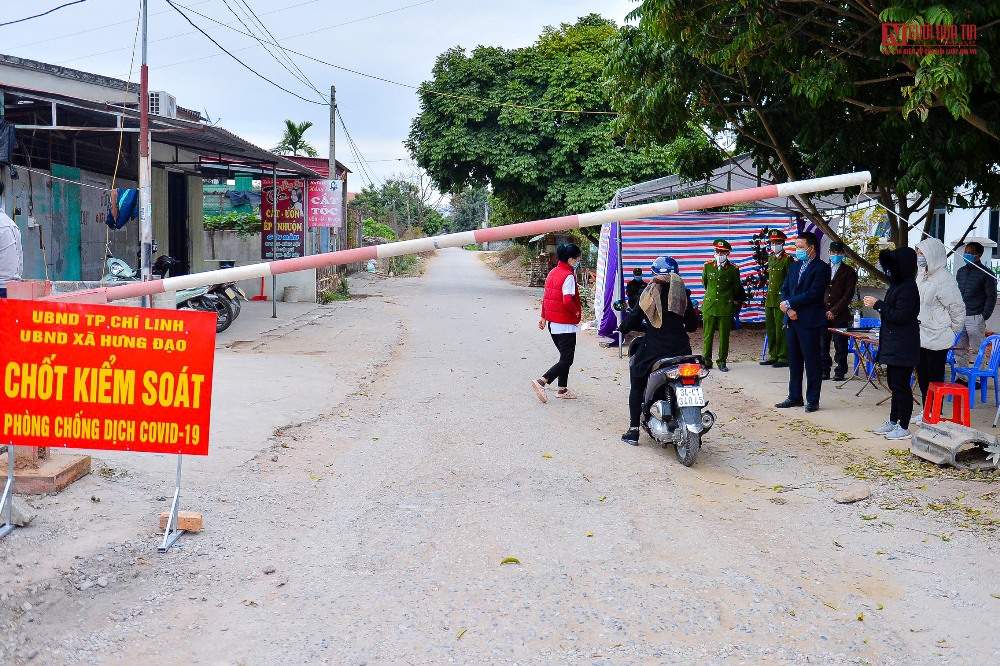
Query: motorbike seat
[676, 360]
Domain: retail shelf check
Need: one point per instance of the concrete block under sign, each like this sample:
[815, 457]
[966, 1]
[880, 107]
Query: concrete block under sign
[189, 521]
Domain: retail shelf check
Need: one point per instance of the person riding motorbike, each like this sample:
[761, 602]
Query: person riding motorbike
[667, 316]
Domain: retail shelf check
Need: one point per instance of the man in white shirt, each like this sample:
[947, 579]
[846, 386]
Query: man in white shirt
[11, 258]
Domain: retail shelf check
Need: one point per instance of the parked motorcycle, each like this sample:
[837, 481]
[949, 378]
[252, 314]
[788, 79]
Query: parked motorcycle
[199, 298]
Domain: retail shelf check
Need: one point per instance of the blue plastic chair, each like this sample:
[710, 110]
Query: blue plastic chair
[866, 322]
[950, 359]
[977, 373]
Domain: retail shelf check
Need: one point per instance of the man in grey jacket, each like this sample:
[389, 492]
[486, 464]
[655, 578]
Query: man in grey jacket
[979, 291]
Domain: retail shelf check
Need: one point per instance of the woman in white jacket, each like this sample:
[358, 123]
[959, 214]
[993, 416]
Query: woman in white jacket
[942, 311]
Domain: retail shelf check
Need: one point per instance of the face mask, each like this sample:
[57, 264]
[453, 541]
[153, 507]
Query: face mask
[777, 249]
[801, 255]
[722, 258]
[836, 258]
[970, 258]
[922, 261]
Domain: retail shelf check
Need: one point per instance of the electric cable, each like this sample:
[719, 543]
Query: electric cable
[227, 52]
[420, 88]
[301, 77]
[121, 134]
[152, 41]
[77, 33]
[357, 149]
[366, 169]
[28, 18]
[304, 78]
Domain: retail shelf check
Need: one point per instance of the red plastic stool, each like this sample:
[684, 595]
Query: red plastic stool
[936, 393]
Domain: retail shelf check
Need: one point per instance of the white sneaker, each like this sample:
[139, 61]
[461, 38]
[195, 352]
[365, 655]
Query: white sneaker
[917, 420]
[888, 426]
[898, 433]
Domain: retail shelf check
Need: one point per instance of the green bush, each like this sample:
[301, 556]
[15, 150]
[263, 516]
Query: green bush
[377, 230]
[244, 224]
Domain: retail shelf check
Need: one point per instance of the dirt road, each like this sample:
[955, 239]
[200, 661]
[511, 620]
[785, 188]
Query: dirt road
[376, 533]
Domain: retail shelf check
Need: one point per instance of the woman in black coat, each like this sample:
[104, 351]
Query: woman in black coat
[899, 336]
[666, 323]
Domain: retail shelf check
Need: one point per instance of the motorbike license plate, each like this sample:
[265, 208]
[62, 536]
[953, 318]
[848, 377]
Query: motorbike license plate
[231, 293]
[690, 396]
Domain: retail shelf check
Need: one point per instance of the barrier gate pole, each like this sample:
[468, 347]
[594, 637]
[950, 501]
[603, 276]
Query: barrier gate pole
[171, 533]
[7, 501]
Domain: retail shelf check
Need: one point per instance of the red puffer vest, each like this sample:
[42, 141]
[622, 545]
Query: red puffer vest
[554, 309]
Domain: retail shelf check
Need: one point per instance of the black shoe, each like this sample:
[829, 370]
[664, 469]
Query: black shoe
[780, 364]
[768, 362]
[811, 408]
[826, 376]
[708, 365]
[788, 402]
[631, 437]
[723, 368]
[840, 378]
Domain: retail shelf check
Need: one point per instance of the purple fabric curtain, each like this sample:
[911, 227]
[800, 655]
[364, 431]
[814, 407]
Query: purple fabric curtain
[609, 322]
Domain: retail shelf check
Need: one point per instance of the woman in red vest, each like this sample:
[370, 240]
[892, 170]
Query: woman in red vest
[561, 311]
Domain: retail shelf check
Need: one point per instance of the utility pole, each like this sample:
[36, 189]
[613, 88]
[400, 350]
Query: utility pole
[145, 168]
[333, 153]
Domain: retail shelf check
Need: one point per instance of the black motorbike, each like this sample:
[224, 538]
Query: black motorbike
[673, 407]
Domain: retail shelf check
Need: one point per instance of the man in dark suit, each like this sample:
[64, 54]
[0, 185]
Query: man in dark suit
[840, 293]
[803, 303]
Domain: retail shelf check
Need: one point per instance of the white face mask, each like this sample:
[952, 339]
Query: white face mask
[777, 248]
[722, 258]
[921, 261]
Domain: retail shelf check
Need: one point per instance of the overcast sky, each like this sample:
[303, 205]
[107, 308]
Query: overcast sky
[393, 39]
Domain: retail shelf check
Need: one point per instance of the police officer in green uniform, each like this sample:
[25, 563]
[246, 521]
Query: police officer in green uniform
[777, 267]
[724, 297]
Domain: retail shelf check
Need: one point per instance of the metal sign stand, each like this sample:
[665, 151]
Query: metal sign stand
[170, 532]
[7, 501]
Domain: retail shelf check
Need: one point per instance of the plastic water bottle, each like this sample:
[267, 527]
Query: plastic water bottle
[857, 319]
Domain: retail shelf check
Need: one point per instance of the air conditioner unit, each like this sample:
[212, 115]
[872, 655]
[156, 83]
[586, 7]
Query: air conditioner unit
[162, 104]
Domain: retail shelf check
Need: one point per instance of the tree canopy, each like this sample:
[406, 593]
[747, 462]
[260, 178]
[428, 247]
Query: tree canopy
[807, 89]
[401, 204]
[292, 142]
[537, 163]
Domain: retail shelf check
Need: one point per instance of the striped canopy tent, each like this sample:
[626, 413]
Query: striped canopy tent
[687, 237]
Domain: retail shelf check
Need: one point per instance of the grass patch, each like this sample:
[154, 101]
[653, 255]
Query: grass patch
[341, 293]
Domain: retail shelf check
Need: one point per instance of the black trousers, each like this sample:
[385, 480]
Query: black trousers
[566, 344]
[931, 368]
[839, 350]
[901, 407]
[636, 392]
[804, 352]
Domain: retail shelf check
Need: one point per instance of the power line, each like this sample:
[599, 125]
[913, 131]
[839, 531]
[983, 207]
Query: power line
[282, 51]
[161, 39]
[299, 76]
[28, 18]
[365, 167]
[301, 34]
[77, 33]
[420, 88]
[248, 67]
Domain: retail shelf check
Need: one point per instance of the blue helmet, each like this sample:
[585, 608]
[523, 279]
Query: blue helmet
[664, 265]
